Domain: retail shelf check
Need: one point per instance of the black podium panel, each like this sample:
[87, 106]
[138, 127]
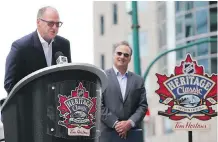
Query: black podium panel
[61, 106]
[72, 112]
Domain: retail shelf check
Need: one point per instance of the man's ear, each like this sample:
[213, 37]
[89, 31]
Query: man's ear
[130, 59]
[37, 22]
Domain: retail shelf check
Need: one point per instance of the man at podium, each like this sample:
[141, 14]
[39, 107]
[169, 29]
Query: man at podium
[36, 50]
[124, 103]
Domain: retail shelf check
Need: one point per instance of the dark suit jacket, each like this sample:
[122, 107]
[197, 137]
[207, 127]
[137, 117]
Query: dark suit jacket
[27, 55]
[114, 108]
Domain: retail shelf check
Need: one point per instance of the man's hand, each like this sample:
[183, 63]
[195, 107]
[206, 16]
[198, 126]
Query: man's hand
[123, 127]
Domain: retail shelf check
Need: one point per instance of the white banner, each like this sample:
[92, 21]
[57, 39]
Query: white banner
[211, 100]
[167, 100]
[190, 110]
[78, 131]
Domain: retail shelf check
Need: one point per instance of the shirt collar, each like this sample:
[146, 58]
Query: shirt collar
[41, 39]
[117, 72]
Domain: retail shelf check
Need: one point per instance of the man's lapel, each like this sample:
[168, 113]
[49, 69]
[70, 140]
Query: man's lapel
[38, 46]
[130, 81]
[54, 50]
[116, 83]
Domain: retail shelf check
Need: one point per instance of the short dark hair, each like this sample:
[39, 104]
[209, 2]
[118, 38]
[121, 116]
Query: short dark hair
[123, 43]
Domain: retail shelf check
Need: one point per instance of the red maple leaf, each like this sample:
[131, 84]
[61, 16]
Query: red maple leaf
[164, 93]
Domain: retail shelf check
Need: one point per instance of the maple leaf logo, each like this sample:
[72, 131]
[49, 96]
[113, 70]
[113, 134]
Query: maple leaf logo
[189, 93]
[77, 110]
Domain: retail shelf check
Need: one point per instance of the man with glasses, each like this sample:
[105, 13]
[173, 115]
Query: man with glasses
[36, 50]
[124, 103]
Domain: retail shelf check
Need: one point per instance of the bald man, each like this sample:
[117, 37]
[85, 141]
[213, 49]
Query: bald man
[36, 50]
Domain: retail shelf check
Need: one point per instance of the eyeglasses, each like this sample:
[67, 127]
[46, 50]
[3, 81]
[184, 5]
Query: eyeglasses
[51, 23]
[125, 54]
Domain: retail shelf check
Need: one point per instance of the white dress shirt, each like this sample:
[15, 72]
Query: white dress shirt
[122, 79]
[47, 48]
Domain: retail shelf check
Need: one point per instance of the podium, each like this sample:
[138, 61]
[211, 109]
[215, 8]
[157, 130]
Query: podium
[60, 103]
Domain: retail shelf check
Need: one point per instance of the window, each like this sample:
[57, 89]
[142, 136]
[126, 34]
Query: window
[213, 46]
[167, 125]
[102, 62]
[200, 3]
[189, 5]
[179, 6]
[179, 54]
[213, 19]
[179, 27]
[115, 11]
[214, 65]
[189, 25]
[201, 21]
[143, 43]
[102, 24]
[212, 2]
[191, 50]
[205, 64]
[202, 49]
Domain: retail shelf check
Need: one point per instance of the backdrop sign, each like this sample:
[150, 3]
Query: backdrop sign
[189, 93]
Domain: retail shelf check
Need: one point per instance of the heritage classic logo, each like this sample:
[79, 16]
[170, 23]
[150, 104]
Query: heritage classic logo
[190, 93]
[78, 111]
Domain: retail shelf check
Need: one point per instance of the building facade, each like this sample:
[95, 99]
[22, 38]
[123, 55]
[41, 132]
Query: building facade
[163, 26]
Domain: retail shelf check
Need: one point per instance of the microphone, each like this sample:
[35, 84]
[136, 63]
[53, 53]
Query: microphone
[60, 58]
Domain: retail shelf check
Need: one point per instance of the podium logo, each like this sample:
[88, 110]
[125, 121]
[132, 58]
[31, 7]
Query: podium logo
[190, 93]
[77, 111]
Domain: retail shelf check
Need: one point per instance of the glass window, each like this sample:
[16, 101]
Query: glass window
[201, 21]
[189, 5]
[205, 64]
[212, 2]
[200, 3]
[179, 53]
[115, 13]
[179, 27]
[167, 125]
[179, 6]
[143, 44]
[213, 19]
[213, 46]
[202, 49]
[102, 62]
[102, 24]
[214, 65]
[191, 50]
[189, 25]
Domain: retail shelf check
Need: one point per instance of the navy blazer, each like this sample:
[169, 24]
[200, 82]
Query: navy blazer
[27, 55]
